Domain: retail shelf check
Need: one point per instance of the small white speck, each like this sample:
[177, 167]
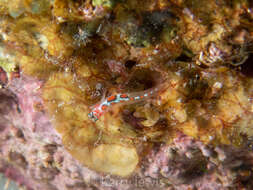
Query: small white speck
[188, 13]
[179, 100]
[66, 69]
[61, 104]
[155, 51]
[213, 50]
[201, 56]
[217, 85]
[177, 73]
[4, 36]
[60, 19]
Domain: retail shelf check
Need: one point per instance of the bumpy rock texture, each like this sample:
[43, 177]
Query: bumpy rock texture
[59, 58]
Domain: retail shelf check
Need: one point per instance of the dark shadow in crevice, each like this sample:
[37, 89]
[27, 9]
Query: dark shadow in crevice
[247, 67]
[129, 64]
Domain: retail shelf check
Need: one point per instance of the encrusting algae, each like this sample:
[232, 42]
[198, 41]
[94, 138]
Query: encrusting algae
[87, 52]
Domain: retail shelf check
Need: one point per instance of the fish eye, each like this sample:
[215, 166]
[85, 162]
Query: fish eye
[92, 117]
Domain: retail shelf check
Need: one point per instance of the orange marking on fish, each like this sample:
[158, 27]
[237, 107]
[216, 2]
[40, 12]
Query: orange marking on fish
[111, 98]
[103, 107]
[123, 96]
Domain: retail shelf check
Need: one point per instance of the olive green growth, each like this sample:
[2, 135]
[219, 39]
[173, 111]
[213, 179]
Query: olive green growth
[7, 66]
[104, 3]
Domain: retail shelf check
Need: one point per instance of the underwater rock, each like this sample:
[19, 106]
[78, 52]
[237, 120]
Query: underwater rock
[127, 94]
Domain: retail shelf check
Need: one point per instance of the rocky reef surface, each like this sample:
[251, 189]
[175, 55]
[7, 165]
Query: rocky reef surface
[60, 59]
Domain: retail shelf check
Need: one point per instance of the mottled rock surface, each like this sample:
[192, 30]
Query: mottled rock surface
[32, 155]
[184, 67]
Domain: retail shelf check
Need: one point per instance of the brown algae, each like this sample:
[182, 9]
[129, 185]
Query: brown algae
[86, 50]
